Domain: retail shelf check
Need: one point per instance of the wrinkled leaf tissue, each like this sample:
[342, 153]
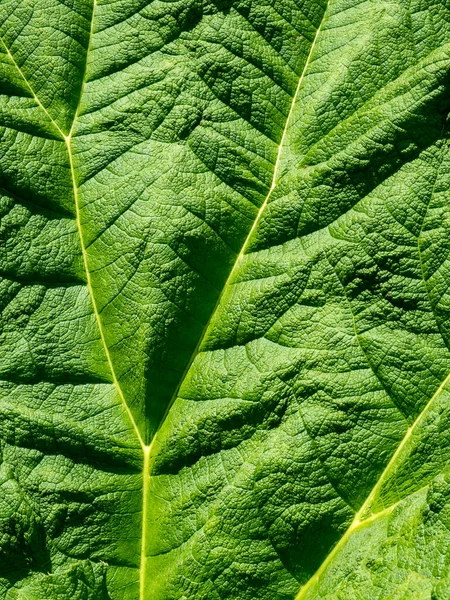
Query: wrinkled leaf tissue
[225, 306]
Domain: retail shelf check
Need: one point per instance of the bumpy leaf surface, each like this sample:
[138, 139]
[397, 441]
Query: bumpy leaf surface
[224, 363]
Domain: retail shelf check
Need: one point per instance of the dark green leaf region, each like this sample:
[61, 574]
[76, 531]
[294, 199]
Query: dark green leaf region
[224, 300]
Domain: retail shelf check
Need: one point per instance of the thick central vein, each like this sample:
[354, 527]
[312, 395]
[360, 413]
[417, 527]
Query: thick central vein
[68, 142]
[145, 448]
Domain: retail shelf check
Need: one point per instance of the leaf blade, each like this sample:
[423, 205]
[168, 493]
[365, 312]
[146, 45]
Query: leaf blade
[330, 333]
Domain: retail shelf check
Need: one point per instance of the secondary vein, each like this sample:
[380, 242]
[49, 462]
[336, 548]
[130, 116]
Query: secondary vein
[31, 90]
[259, 214]
[67, 138]
[364, 516]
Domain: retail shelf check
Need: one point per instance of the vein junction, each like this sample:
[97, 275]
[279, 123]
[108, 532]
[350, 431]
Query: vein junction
[146, 448]
[276, 343]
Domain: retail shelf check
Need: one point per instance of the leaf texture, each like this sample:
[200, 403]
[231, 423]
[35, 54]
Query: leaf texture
[224, 359]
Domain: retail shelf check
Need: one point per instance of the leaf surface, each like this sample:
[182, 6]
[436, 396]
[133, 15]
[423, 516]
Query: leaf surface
[224, 365]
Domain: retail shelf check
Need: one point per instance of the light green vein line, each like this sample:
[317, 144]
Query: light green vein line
[92, 295]
[145, 498]
[259, 214]
[146, 449]
[277, 161]
[364, 516]
[32, 92]
[68, 140]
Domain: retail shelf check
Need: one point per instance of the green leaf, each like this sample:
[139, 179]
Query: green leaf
[224, 332]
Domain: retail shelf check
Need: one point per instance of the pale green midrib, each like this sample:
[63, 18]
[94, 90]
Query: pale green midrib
[255, 223]
[146, 449]
[364, 516]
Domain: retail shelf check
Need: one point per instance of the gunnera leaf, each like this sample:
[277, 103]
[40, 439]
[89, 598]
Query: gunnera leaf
[224, 306]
